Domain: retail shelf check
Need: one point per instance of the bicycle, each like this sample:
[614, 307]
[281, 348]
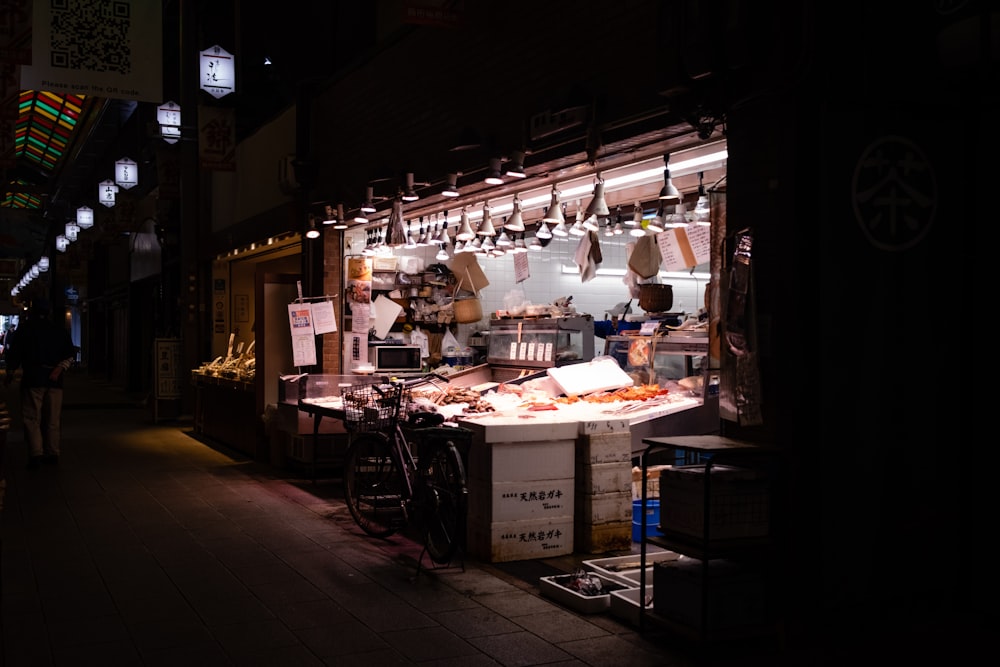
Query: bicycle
[400, 466]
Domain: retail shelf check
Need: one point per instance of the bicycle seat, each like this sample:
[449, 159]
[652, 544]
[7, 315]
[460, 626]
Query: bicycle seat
[425, 419]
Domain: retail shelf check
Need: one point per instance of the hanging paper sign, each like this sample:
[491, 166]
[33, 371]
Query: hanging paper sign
[303, 341]
[218, 72]
[107, 193]
[521, 270]
[85, 217]
[126, 173]
[324, 319]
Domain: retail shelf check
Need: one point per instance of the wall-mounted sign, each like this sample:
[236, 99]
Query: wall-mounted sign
[218, 72]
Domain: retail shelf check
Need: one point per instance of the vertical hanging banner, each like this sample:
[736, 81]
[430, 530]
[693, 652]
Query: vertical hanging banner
[217, 138]
[105, 49]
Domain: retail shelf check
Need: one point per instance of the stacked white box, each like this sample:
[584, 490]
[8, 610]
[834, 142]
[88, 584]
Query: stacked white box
[521, 491]
[603, 520]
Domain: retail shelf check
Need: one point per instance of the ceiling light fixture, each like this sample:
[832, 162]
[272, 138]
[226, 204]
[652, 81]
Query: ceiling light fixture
[554, 212]
[668, 192]
[368, 206]
[493, 175]
[312, 232]
[465, 232]
[486, 226]
[515, 223]
[410, 193]
[331, 215]
[450, 188]
[515, 166]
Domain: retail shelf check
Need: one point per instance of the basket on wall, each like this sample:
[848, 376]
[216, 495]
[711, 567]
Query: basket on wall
[656, 298]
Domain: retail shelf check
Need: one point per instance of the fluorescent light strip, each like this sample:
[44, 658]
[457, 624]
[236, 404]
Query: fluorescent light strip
[670, 275]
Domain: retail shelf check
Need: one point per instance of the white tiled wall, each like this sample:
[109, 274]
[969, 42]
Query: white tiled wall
[548, 282]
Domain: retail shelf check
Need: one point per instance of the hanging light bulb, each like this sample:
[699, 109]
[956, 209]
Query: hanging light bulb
[668, 192]
[450, 188]
[493, 175]
[636, 220]
[515, 223]
[515, 166]
[442, 254]
[368, 206]
[597, 209]
[410, 193]
[312, 232]
[577, 229]
[341, 220]
[486, 226]
[458, 247]
[410, 242]
[465, 232]
[561, 229]
[487, 244]
[656, 223]
[543, 231]
[554, 213]
[702, 209]
[534, 244]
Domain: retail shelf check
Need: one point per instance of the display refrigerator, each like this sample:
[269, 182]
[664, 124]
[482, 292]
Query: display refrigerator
[526, 345]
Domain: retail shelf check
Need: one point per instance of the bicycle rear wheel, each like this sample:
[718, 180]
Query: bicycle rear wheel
[373, 484]
[443, 501]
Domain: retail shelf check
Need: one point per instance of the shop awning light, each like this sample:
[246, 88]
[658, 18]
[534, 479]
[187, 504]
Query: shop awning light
[368, 206]
[410, 193]
[669, 192]
[493, 175]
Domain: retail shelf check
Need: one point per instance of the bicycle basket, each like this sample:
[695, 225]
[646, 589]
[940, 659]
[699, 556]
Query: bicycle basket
[372, 407]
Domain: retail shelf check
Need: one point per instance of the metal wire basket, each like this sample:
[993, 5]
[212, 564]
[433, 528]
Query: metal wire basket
[372, 407]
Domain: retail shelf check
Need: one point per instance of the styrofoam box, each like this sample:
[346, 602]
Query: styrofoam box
[601, 539]
[502, 541]
[604, 478]
[557, 588]
[604, 507]
[521, 461]
[604, 448]
[624, 604]
[625, 569]
[515, 501]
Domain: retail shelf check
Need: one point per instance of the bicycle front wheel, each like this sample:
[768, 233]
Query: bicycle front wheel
[373, 484]
[443, 506]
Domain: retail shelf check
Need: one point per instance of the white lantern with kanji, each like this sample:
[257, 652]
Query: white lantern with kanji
[107, 193]
[126, 173]
[218, 72]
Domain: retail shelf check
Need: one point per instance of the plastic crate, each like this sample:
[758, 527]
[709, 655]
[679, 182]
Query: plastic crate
[739, 502]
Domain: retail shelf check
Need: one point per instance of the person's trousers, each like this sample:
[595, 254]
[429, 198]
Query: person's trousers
[41, 409]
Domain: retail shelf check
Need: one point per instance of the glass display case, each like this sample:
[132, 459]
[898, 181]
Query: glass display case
[540, 343]
[678, 357]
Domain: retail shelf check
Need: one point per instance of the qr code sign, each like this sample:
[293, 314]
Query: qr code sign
[91, 36]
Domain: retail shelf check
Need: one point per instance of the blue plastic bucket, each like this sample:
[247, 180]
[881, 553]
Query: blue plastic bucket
[652, 519]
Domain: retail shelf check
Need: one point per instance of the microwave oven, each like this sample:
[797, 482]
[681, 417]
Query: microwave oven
[395, 358]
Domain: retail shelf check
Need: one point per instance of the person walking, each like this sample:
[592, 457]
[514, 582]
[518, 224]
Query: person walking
[43, 351]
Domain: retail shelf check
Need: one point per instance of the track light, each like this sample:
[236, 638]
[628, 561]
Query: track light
[515, 166]
[312, 232]
[636, 220]
[543, 231]
[368, 206]
[515, 223]
[450, 188]
[668, 192]
[331, 215]
[577, 228]
[410, 193]
[442, 254]
[598, 206]
[554, 213]
[486, 226]
[493, 175]
[465, 232]
[341, 220]
[656, 223]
